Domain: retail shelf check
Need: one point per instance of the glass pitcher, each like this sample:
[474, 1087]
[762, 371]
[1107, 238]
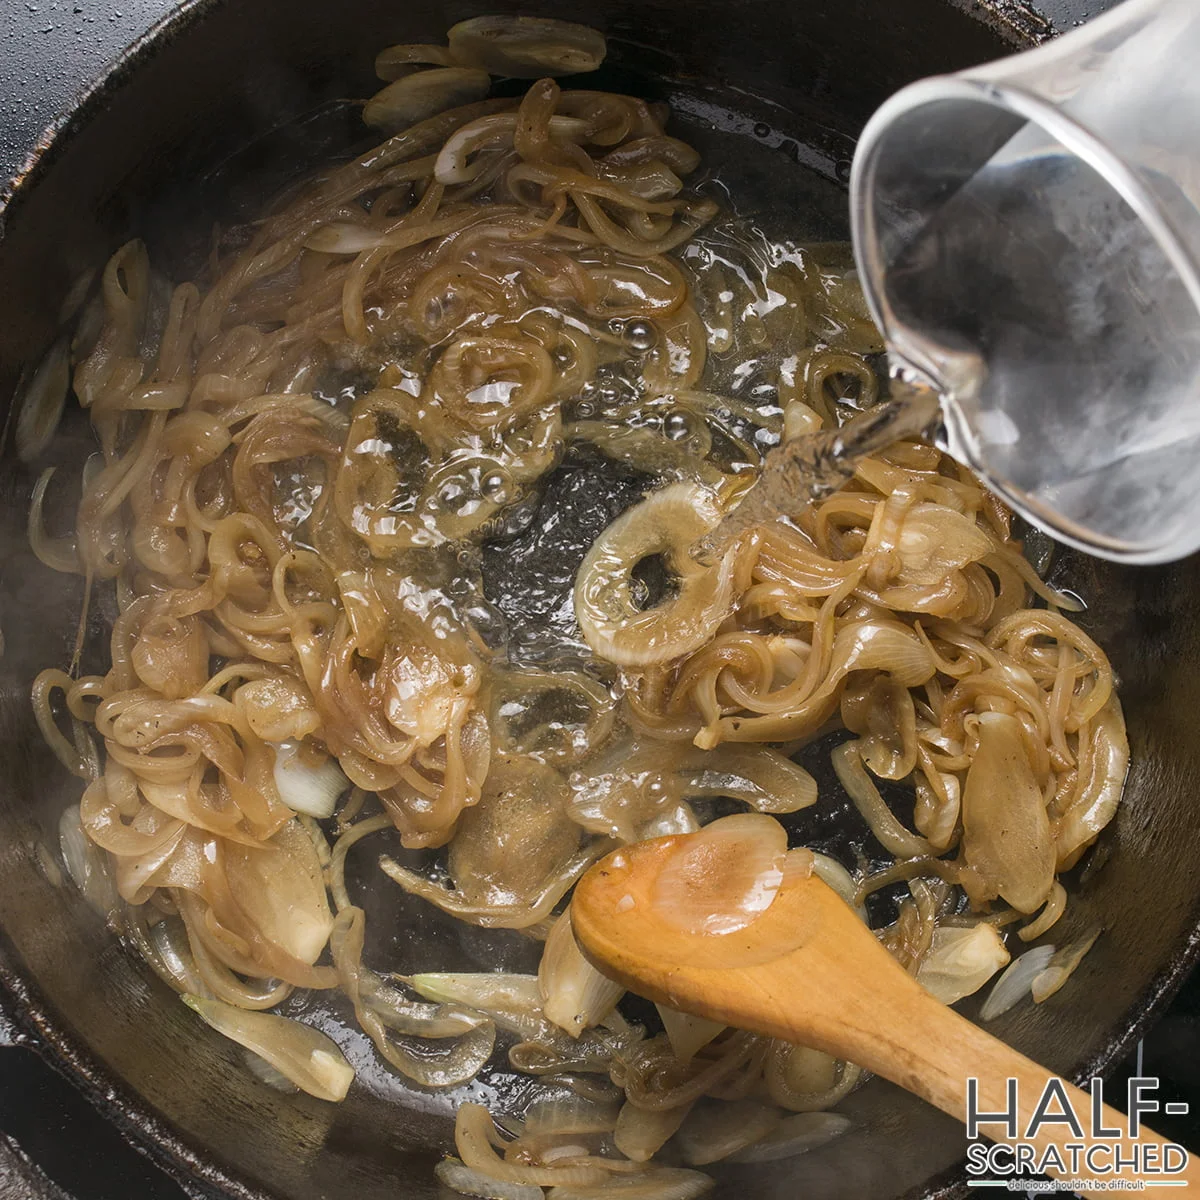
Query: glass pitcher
[1028, 237]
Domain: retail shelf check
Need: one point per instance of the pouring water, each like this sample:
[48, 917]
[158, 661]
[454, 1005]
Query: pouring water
[1027, 234]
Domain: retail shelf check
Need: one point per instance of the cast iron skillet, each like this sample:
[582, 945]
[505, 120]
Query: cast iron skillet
[775, 93]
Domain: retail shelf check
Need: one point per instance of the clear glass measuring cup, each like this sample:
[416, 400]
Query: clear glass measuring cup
[1028, 236]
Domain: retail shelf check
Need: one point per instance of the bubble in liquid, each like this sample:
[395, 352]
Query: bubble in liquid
[640, 336]
[677, 424]
[762, 129]
[495, 486]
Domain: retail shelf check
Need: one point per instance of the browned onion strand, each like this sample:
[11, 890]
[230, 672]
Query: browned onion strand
[301, 451]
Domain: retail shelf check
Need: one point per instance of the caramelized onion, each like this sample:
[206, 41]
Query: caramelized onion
[414, 98]
[1006, 834]
[667, 523]
[527, 47]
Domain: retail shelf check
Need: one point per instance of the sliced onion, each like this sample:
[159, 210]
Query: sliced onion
[795, 1135]
[514, 1002]
[475, 1138]
[670, 821]
[834, 875]
[42, 401]
[451, 165]
[935, 541]
[757, 775]
[575, 995]
[462, 1179]
[641, 1133]
[1006, 839]
[168, 943]
[1099, 792]
[302, 1054]
[418, 97]
[961, 959]
[527, 47]
[724, 877]
[85, 863]
[566, 1112]
[860, 787]
[713, 1132]
[305, 788]
[687, 1033]
[806, 1080]
[59, 554]
[669, 522]
[397, 61]
[1016, 982]
[1061, 967]
[281, 889]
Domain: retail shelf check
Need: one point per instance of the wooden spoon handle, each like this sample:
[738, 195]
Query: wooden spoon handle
[907, 1036]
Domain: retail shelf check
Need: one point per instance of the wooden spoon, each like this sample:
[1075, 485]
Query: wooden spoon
[806, 969]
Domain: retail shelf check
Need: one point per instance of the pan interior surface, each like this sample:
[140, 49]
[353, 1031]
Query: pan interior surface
[204, 122]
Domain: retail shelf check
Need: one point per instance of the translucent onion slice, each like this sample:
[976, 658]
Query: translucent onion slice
[670, 821]
[467, 1182]
[1006, 834]
[667, 523]
[574, 994]
[724, 877]
[397, 61]
[476, 1139]
[302, 1054]
[884, 824]
[311, 789]
[59, 554]
[265, 1073]
[567, 1112]
[1099, 792]
[713, 1132]
[558, 717]
[688, 1034]
[757, 775]
[641, 1133]
[86, 863]
[806, 1080]
[452, 166]
[423, 95]
[961, 959]
[795, 1135]
[514, 1002]
[1016, 982]
[527, 47]
[281, 889]
[935, 541]
[42, 401]
[834, 875]
[1061, 967]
